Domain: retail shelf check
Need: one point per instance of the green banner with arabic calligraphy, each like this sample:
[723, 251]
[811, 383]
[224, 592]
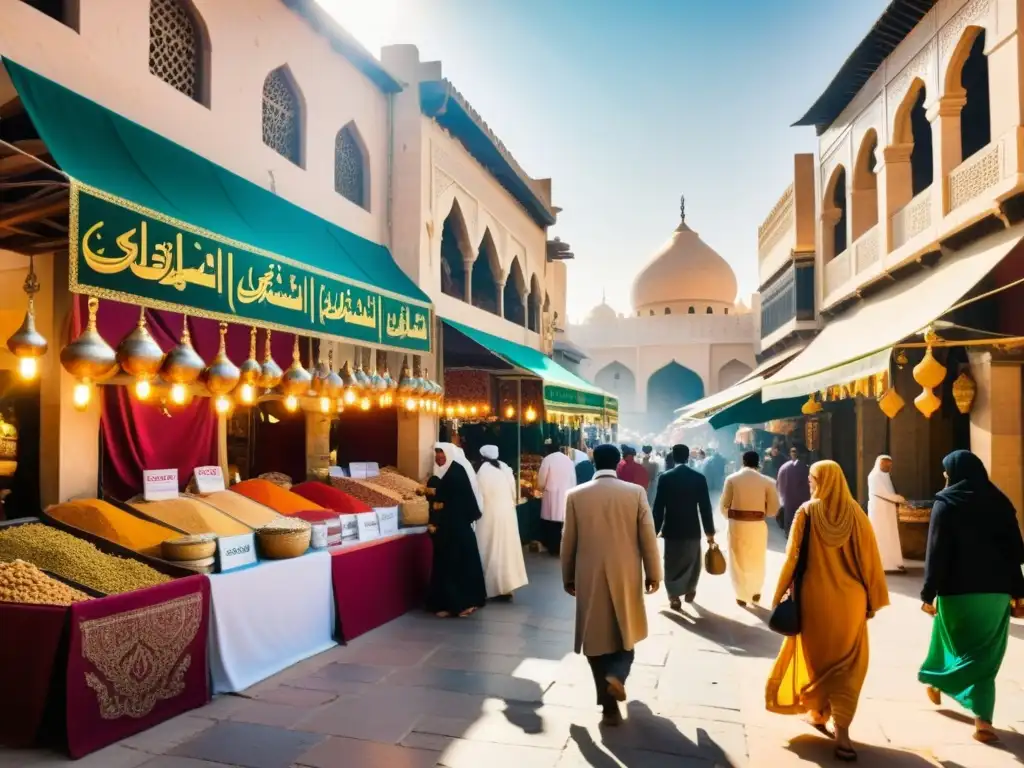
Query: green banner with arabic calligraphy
[122, 252]
[566, 398]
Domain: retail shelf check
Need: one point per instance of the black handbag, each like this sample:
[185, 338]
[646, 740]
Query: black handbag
[785, 619]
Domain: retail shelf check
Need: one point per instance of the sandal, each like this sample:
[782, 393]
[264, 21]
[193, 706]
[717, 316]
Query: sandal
[674, 604]
[934, 695]
[442, 614]
[466, 613]
[985, 734]
[846, 754]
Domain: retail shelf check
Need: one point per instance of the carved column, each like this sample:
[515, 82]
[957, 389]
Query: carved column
[944, 115]
[467, 275]
[526, 311]
[499, 284]
[895, 188]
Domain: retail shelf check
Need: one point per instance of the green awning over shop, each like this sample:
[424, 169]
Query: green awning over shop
[563, 389]
[153, 223]
[751, 410]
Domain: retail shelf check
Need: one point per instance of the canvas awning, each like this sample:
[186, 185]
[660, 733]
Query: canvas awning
[746, 387]
[154, 224]
[860, 342]
[563, 389]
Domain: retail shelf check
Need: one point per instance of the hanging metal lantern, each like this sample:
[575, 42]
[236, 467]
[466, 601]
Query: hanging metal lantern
[89, 358]
[811, 407]
[26, 343]
[222, 375]
[927, 402]
[270, 372]
[296, 379]
[333, 384]
[138, 354]
[182, 365]
[964, 392]
[929, 373]
[362, 380]
[891, 403]
[406, 387]
[249, 371]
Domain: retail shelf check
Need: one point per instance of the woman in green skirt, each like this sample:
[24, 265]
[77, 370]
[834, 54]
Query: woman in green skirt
[972, 580]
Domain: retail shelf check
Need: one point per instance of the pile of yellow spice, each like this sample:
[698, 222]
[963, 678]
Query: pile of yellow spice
[22, 582]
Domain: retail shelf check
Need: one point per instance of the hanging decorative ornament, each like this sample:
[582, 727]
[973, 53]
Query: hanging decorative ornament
[249, 373]
[318, 372]
[348, 380]
[901, 359]
[891, 403]
[296, 379]
[333, 385]
[406, 388]
[140, 357]
[391, 385]
[182, 366]
[929, 374]
[811, 407]
[26, 343]
[270, 372]
[362, 380]
[89, 357]
[964, 391]
[221, 376]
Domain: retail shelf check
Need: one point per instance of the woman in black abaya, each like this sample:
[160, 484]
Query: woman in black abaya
[457, 579]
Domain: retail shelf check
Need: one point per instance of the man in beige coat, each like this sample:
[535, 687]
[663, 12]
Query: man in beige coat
[609, 556]
[748, 498]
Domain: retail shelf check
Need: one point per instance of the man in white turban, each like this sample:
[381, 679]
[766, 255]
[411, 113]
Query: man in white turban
[883, 512]
[497, 532]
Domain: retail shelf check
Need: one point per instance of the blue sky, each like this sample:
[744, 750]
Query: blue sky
[628, 105]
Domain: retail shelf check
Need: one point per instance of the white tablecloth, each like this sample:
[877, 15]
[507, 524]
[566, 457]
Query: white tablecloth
[267, 617]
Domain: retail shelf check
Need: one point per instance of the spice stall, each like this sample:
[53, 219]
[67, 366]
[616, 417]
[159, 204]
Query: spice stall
[513, 396]
[192, 284]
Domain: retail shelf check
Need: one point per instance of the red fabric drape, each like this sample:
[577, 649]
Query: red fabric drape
[136, 435]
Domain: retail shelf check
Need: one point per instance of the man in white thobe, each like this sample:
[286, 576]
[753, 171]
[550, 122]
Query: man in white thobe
[747, 499]
[497, 530]
[883, 513]
[556, 477]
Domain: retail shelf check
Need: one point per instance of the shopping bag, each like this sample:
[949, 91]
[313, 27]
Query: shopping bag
[714, 561]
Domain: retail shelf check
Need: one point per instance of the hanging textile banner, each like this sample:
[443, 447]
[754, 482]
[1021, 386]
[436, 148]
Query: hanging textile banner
[574, 399]
[124, 252]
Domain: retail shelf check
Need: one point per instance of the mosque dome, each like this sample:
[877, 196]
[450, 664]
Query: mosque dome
[602, 313]
[685, 275]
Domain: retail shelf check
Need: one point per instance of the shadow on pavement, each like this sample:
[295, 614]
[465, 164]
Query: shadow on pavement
[645, 740]
[1009, 741]
[820, 751]
[737, 638]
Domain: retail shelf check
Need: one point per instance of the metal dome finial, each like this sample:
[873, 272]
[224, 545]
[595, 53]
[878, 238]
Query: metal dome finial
[682, 208]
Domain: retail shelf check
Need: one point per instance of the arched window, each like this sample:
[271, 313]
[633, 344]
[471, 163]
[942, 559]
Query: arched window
[454, 250]
[350, 167]
[865, 186]
[484, 278]
[668, 310]
[975, 118]
[921, 168]
[514, 294]
[176, 47]
[652, 313]
[64, 11]
[709, 311]
[282, 115]
[727, 310]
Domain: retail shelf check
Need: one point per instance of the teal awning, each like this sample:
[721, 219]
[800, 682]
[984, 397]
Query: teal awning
[563, 389]
[751, 410]
[155, 224]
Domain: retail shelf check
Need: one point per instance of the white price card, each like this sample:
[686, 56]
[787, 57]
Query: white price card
[159, 484]
[387, 520]
[369, 528]
[209, 479]
[236, 551]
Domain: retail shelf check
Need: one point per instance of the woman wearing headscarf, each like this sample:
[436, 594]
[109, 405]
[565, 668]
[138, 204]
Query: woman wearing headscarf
[972, 572]
[497, 533]
[821, 670]
[584, 466]
[884, 514]
[457, 578]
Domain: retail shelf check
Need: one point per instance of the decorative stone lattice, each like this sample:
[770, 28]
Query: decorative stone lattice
[174, 46]
[349, 168]
[974, 176]
[281, 115]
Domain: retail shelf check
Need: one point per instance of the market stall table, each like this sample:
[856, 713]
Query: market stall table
[267, 617]
[96, 672]
[378, 581]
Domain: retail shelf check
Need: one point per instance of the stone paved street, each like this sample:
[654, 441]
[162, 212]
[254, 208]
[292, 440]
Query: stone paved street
[503, 690]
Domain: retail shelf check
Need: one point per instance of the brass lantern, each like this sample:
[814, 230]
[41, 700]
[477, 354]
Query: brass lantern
[362, 380]
[138, 354]
[811, 407]
[182, 365]
[406, 385]
[891, 403]
[348, 381]
[270, 372]
[26, 343]
[296, 379]
[929, 373]
[964, 391]
[89, 358]
[333, 385]
[249, 373]
[222, 375]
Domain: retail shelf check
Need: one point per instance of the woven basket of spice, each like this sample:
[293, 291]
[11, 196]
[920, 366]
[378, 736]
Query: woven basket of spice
[200, 546]
[283, 539]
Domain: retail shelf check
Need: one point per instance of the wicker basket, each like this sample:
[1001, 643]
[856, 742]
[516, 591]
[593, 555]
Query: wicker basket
[206, 565]
[414, 512]
[278, 542]
[189, 548]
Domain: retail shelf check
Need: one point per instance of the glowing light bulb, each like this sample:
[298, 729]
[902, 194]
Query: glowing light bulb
[350, 396]
[382, 401]
[449, 411]
[291, 403]
[364, 404]
[325, 405]
[247, 394]
[178, 394]
[339, 406]
[222, 404]
[81, 395]
[461, 409]
[510, 412]
[410, 404]
[472, 410]
[531, 415]
[487, 409]
[143, 389]
[28, 367]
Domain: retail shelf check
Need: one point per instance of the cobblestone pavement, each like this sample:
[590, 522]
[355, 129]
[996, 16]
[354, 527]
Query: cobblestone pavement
[503, 689]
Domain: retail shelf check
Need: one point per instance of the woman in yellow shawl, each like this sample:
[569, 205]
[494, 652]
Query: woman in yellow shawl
[821, 670]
